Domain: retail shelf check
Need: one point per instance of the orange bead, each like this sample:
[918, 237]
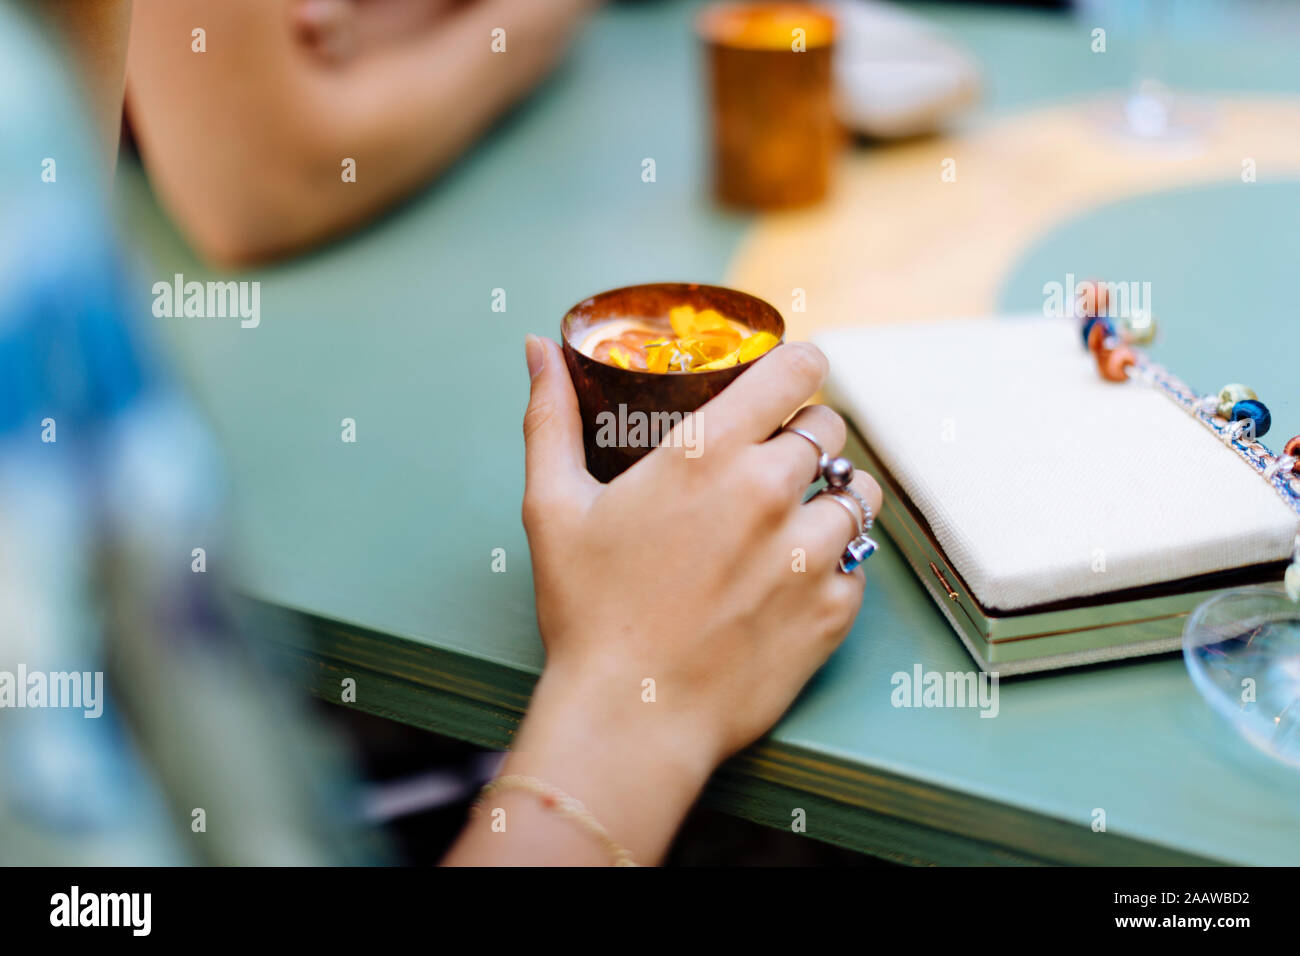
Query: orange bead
[1292, 449]
[1112, 363]
[1097, 335]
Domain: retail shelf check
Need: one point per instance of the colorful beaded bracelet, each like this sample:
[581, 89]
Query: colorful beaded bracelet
[1235, 415]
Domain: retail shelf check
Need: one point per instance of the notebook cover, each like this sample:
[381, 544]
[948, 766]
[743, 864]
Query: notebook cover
[1041, 481]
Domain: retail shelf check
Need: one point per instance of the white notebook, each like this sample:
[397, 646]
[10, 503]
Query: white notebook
[1040, 480]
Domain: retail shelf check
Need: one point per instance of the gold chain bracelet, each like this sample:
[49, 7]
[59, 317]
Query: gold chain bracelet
[553, 798]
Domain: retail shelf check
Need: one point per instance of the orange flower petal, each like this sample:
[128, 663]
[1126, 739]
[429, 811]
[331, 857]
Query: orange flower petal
[658, 357]
[710, 320]
[682, 319]
[754, 346]
[727, 361]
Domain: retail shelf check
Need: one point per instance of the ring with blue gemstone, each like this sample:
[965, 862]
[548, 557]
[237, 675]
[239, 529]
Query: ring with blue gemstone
[858, 550]
[861, 546]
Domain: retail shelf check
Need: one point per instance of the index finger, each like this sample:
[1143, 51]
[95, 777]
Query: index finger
[759, 401]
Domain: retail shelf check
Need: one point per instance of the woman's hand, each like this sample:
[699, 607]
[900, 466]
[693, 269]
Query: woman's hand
[706, 575]
[684, 604]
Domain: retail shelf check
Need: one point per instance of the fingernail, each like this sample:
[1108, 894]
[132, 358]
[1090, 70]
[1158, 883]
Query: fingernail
[535, 353]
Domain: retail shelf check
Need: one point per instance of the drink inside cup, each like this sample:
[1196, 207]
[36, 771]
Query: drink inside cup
[685, 341]
[648, 355]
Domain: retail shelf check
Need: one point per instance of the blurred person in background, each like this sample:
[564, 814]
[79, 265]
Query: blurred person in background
[181, 751]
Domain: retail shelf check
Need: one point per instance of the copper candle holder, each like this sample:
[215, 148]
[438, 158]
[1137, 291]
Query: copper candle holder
[775, 134]
[628, 394]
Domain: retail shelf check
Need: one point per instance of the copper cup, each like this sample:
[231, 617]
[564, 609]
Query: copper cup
[775, 135]
[628, 394]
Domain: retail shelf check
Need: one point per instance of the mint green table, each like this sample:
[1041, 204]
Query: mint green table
[373, 560]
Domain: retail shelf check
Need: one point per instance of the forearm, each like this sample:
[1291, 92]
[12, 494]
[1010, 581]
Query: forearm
[96, 32]
[284, 124]
[412, 109]
[602, 744]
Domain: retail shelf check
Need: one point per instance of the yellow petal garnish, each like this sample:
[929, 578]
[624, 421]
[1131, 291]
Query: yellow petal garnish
[682, 319]
[714, 345]
[754, 346]
[693, 347]
[701, 342]
[725, 362]
[657, 355]
[710, 320]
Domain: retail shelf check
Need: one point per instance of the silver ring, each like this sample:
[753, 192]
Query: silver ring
[868, 519]
[823, 459]
[847, 505]
[860, 546]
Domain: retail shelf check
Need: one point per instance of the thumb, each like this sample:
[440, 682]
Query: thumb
[555, 458]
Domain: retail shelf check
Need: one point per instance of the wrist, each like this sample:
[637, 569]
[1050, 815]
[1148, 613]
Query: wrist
[668, 738]
[631, 763]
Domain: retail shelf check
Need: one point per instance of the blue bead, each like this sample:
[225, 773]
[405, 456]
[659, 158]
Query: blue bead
[1257, 412]
[1087, 327]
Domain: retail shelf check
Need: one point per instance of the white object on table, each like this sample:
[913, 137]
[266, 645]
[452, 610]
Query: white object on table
[895, 75]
